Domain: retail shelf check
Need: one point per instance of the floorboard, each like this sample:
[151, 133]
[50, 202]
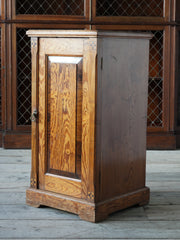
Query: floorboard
[158, 220]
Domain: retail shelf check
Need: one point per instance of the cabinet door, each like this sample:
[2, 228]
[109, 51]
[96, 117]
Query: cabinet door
[61, 10]
[66, 116]
[131, 11]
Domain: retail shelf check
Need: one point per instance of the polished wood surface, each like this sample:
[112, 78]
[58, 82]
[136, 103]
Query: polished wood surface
[87, 18]
[9, 79]
[82, 57]
[64, 133]
[162, 141]
[61, 113]
[87, 211]
[91, 92]
[121, 87]
[35, 107]
[57, 87]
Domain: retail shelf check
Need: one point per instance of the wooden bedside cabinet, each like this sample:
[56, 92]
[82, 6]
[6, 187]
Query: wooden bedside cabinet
[89, 114]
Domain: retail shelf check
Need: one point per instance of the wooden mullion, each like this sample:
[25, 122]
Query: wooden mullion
[14, 76]
[174, 66]
[166, 78]
[8, 114]
[3, 73]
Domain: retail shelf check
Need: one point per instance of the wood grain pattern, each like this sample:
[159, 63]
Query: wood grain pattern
[64, 120]
[91, 97]
[13, 134]
[22, 139]
[121, 146]
[61, 114]
[93, 212]
[79, 97]
[11, 22]
[162, 141]
[64, 46]
[88, 118]
[58, 89]
[34, 126]
[63, 185]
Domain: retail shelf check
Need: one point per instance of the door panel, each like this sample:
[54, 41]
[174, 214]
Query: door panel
[60, 115]
[64, 74]
[66, 115]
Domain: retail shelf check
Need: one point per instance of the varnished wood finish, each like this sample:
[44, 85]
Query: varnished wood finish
[134, 19]
[3, 56]
[22, 140]
[35, 105]
[50, 47]
[87, 211]
[61, 114]
[176, 10]
[161, 137]
[10, 21]
[162, 142]
[10, 127]
[121, 87]
[85, 151]
[66, 142]
[45, 17]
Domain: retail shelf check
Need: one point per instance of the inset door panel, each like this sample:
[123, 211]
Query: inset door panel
[64, 114]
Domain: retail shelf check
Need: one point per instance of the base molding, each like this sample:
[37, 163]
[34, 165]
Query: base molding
[1, 138]
[15, 140]
[92, 212]
[178, 141]
[161, 141]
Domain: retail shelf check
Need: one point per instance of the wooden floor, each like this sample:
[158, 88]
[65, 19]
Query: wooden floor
[159, 220]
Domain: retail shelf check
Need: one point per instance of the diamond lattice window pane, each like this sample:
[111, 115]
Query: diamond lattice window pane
[0, 83]
[50, 7]
[153, 8]
[155, 88]
[23, 78]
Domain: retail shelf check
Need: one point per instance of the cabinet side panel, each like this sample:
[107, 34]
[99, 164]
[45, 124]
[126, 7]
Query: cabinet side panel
[123, 116]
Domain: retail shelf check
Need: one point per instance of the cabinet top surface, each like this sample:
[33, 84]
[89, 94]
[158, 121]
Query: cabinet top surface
[86, 34]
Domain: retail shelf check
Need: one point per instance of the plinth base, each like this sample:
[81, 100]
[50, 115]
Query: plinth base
[92, 212]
